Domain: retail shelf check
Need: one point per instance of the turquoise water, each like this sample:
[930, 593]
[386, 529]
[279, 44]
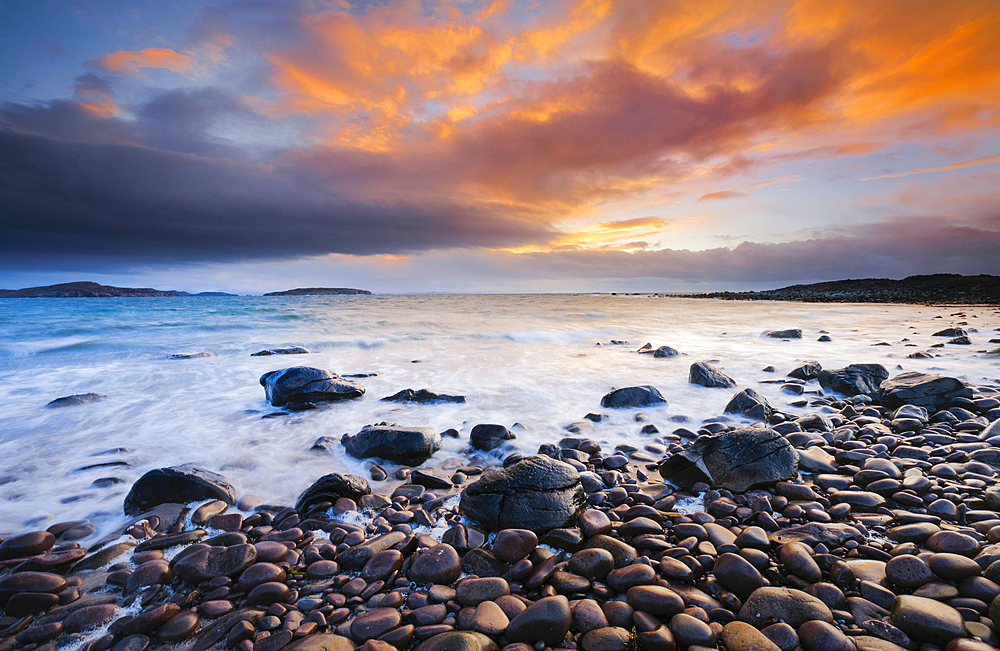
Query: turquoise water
[528, 359]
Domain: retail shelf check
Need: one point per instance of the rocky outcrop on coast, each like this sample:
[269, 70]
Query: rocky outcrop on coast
[935, 289]
[872, 524]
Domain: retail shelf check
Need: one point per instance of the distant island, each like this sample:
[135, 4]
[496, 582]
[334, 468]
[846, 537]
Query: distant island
[936, 289]
[94, 290]
[318, 291]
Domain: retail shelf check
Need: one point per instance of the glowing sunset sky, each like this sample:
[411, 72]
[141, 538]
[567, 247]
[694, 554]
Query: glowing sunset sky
[469, 145]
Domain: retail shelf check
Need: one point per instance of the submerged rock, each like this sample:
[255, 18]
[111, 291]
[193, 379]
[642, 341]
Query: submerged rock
[537, 493]
[75, 399]
[326, 490]
[735, 460]
[854, 379]
[409, 446]
[933, 392]
[291, 350]
[488, 436]
[422, 397]
[790, 333]
[302, 384]
[640, 396]
[177, 484]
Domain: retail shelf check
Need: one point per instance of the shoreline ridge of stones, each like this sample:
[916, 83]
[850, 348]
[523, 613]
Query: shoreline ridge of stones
[871, 525]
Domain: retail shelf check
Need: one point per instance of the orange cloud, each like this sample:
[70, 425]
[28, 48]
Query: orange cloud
[131, 61]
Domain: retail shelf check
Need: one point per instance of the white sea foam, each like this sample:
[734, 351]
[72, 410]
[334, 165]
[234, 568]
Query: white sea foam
[518, 359]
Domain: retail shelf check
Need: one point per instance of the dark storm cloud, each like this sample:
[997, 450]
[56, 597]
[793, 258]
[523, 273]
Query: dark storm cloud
[78, 200]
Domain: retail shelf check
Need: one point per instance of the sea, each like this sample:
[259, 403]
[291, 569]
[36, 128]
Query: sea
[541, 362]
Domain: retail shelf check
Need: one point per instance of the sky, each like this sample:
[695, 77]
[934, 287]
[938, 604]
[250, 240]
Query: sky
[495, 145]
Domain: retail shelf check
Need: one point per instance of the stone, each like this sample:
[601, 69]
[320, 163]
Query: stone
[831, 534]
[328, 489]
[179, 627]
[737, 575]
[740, 636]
[75, 400]
[639, 396]
[768, 605]
[537, 493]
[806, 370]
[665, 351]
[547, 620]
[179, 484]
[623, 553]
[797, 559]
[909, 571]
[854, 379]
[303, 384]
[511, 545]
[655, 600]
[89, 617]
[290, 350]
[450, 641]
[270, 592]
[789, 333]
[382, 565]
[610, 638]
[593, 563]
[422, 397]
[926, 619]
[751, 404]
[489, 619]
[932, 392]
[375, 623]
[409, 446]
[487, 436]
[321, 642]
[735, 460]
[30, 603]
[26, 544]
[439, 564]
[474, 591]
[706, 375]
[358, 555]
[823, 636]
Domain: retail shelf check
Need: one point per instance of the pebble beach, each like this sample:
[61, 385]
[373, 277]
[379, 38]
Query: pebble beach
[822, 507]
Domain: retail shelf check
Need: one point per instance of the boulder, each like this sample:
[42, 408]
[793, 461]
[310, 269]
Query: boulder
[640, 396]
[806, 370]
[854, 379]
[422, 397]
[488, 437]
[665, 351]
[950, 332]
[932, 392]
[326, 490]
[751, 404]
[735, 460]
[291, 350]
[768, 605]
[537, 493]
[177, 484]
[74, 400]
[302, 384]
[707, 375]
[409, 446]
[791, 333]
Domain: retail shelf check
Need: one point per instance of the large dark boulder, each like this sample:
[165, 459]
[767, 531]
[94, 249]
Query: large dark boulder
[633, 397]
[750, 404]
[932, 392]
[291, 350]
[707, 375]
[409, 446]
[488, 436]
[735, 460]
[177, 484]
[854, 379]
[328, 489]
[422, 397]
[537, 493]
[301, 384]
